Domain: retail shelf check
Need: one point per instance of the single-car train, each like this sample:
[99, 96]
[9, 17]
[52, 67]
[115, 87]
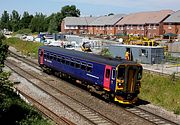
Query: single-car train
[112, 78]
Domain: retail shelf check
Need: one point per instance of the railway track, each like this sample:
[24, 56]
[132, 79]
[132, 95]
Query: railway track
[85, 112]
[158, 120]
[148, 116]
[45, 110]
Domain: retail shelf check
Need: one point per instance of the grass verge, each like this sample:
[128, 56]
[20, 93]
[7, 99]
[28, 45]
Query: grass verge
[162, 91]
[26, 47]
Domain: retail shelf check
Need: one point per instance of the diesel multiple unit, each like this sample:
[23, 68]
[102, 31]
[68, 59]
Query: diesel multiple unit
[112, 78]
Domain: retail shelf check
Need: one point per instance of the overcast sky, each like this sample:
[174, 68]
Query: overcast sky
[88, 7]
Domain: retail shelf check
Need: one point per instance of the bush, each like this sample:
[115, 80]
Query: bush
[13, 110]
[2, 36]
[3, 53]
[105, 52]
[24, 31]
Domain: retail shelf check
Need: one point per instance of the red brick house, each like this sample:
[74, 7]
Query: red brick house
[172, 23]
[105, 25]
[76, 25]
[148, 24]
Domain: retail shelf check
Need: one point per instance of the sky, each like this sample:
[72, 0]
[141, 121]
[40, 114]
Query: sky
[88, 7]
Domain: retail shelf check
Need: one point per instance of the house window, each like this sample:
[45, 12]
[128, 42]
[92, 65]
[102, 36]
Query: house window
[142, 27]
[138, 27]
[110, 28]
[127, 27]
[169, 26]
[149, 27]
[131, 27]
[154, 27]
[122, 28]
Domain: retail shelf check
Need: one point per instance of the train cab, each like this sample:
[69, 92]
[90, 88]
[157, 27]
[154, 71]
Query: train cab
[128, 83]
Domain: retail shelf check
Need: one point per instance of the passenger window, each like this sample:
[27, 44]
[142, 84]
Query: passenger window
[89, 67]
[113, 73]
[63, 60]
[72, 63]
[78, 64]
[83, 66]
[47, 56]
[44, 55]
[55, 57]
[67, 61]
[51, 57]
[59, 59]
[107, 73]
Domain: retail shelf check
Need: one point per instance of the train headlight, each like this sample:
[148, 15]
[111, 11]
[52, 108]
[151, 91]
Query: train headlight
[120, 85]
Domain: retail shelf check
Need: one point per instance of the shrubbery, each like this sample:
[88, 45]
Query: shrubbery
[24, 31]
[13, 110]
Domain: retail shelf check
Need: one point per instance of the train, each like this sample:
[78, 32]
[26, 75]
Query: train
[113, 78]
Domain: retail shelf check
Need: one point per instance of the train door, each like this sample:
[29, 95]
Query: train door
[107, 75]
[42, 56]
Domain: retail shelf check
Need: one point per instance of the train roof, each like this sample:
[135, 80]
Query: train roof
[87, 56]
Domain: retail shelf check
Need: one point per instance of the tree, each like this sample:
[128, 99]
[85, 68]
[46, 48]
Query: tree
[15, 20]
[105, 52]
[25, 20]
[53, 25]
[4, 23]
[38, 23]
[59, 18]
[70, 11]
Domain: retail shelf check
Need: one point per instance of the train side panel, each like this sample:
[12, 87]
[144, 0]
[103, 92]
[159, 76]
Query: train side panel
[93, 72]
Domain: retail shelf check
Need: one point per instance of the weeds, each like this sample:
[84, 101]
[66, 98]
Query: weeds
[159, 90]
